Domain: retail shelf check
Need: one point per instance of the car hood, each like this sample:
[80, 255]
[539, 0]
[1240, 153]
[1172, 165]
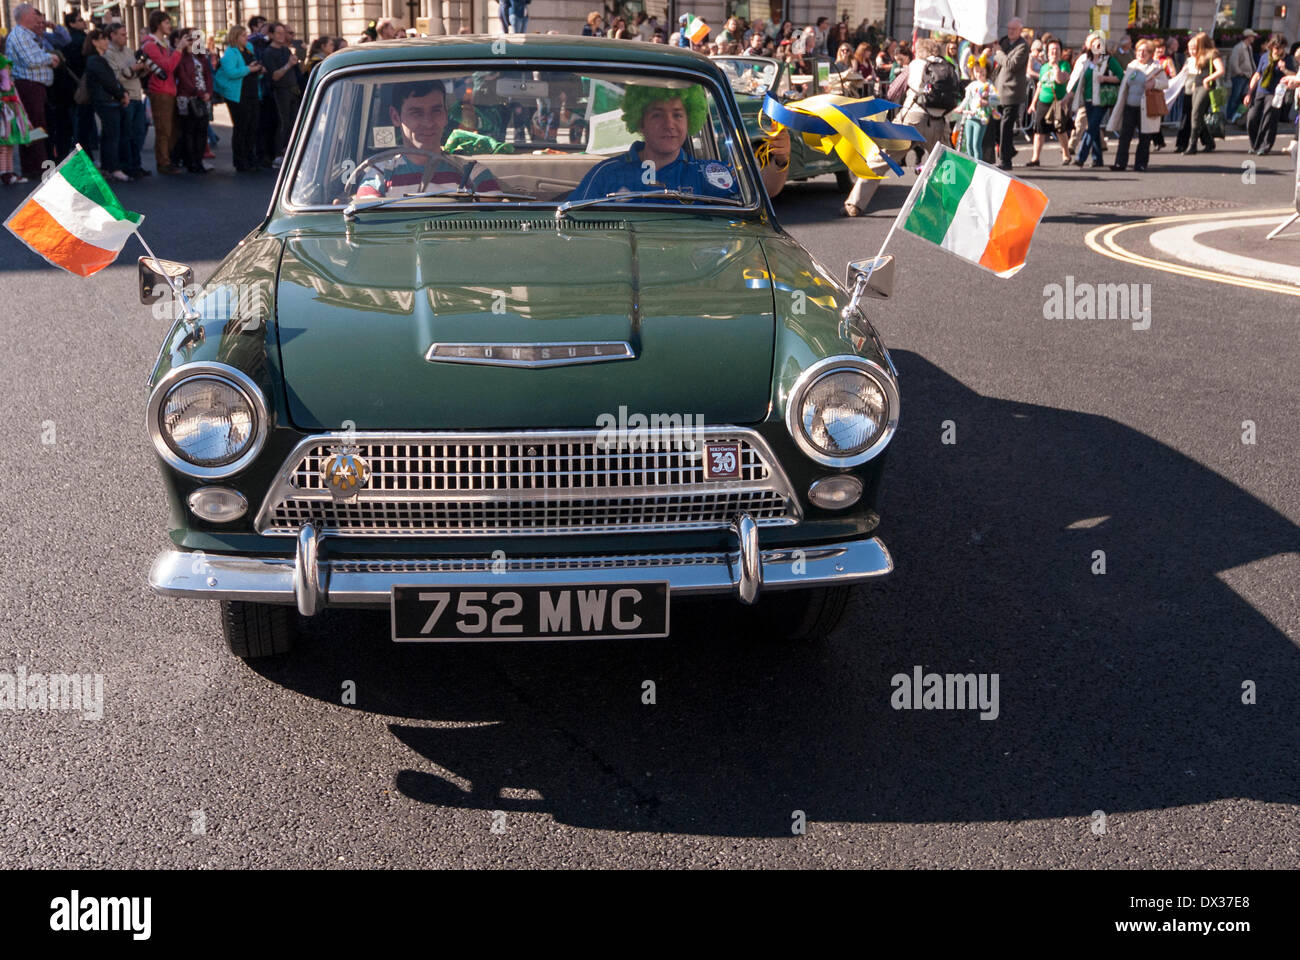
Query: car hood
[356, 318]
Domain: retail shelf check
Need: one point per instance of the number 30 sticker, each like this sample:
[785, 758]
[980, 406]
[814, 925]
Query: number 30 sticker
[722, 461]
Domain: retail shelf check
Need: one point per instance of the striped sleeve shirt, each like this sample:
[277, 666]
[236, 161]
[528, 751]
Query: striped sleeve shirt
[30, 59]
[401, 175]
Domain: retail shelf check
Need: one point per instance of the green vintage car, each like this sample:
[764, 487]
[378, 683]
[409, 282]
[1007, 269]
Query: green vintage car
[534, 377]
[751, 78]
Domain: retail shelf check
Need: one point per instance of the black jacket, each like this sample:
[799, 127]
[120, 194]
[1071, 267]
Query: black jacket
[73, 51]
[101, 81]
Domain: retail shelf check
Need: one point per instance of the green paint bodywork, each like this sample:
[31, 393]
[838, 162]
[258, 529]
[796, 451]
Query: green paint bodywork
[724, 310]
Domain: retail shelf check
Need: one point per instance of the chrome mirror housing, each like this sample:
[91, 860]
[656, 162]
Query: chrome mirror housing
[157, 277]
[874, 276]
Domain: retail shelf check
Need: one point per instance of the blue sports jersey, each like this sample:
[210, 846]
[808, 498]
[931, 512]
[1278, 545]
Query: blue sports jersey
[708, 178]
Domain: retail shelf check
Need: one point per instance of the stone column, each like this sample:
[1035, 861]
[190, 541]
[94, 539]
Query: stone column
[356, 14]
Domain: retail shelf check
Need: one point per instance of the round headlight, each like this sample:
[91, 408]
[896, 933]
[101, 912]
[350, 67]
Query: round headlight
[843, 410]
[207, 422]
[207, 419]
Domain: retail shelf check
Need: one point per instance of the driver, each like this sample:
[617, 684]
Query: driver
[420, 110]
[665, 117]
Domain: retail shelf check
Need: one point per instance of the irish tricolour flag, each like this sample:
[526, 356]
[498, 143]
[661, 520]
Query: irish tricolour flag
[73, 220]
[974, 210]
[696, 29]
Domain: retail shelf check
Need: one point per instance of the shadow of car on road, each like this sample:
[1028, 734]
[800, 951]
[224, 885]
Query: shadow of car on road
[1118, 692]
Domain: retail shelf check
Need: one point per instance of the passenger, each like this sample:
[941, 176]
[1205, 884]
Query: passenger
[665, 117]
[420, 110]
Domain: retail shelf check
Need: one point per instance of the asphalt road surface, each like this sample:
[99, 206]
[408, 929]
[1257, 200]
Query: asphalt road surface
[1119, 694]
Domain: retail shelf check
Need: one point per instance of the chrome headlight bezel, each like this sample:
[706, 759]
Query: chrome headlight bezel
[208, 370]
[839, 364]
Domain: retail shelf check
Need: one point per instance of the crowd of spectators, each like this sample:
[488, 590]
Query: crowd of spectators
[80, 83]
[1023, 88]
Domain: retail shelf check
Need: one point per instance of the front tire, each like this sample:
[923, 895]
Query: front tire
[801, 616]
[256, 630]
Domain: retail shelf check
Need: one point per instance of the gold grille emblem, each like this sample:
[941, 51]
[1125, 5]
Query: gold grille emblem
[344, 473]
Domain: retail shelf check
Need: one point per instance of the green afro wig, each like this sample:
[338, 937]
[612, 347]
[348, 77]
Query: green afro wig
[636, 98]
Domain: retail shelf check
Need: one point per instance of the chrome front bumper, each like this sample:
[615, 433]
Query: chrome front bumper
[312, 582]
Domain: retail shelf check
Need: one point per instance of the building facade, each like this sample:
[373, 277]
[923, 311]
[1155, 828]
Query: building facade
[1073, 19]
[1069, 19]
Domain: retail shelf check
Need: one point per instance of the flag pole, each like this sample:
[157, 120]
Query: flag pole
[188, 314]
[930, 161]
[860, 287]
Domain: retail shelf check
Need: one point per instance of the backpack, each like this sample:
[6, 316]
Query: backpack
[940, 87]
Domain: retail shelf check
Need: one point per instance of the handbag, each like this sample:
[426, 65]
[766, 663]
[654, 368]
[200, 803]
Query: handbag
[1058, 117]
[1108, 95]
[1218, 98]
[898, 88]
[82, 95]
[1156, 106]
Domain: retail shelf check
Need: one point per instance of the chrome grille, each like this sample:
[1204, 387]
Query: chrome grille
[526, 484]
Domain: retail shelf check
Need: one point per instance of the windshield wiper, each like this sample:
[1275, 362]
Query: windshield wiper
[352, 209]
[682, 195]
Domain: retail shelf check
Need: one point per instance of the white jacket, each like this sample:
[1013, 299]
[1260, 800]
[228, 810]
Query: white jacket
[1148, 124]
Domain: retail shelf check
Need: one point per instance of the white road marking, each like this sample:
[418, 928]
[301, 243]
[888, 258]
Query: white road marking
[1181, 242]
[1104, 240]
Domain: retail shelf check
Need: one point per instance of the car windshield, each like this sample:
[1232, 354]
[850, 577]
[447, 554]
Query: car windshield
[543, 135]
[750, 77]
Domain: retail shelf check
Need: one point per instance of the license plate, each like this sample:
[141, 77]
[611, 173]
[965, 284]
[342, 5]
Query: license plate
[535, 612]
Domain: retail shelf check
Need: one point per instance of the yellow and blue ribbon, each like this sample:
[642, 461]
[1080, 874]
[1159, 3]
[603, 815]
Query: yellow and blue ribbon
[853, 129]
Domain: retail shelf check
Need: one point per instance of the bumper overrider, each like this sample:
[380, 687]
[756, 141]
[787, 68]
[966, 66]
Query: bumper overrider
[312, 580]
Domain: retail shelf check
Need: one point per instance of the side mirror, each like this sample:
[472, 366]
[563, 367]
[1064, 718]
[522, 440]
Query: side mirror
[154, 274]
[872, 278]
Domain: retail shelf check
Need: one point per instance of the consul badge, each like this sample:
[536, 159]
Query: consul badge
[344, 473]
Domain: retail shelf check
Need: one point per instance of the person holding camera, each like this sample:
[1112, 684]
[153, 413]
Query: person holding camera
[162, 61]
[134, 122]
[108, 99]
[193, 98]
[237, 81]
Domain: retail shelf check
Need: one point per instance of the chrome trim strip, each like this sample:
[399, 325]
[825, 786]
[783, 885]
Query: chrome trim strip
[369, 583]
[216, 371]
[617, 350]
[282, 488]
[279, 196]
[532, 496]
[830, 365]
